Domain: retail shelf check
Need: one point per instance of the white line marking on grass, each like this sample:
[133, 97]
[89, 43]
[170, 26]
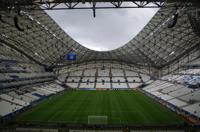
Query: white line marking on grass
[53, 115]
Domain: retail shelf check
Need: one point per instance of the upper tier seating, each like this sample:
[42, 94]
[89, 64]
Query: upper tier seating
[131, 73]
[73, 79]
[90, 72]
[189, 77]
[76, 73]
[18, 73]
[133, 79]
[101, 79]
[190, 71]
[118, 79]
[117, 72]
[23, 82]
[20, 76]
[88, 79]
[104, 72]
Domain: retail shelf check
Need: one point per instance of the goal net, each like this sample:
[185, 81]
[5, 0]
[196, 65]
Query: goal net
[93, 119]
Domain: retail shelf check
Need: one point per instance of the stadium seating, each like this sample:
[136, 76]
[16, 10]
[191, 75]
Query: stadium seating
[144, 77]
[176, 95]
[194, 109]
[76, 73]
[25, 98]
[16, 99]
[35, 65]
[104, 72]
[90, 72]
[189, 77]
[73, 85]
[133, 79]
[119, 86]
[62, 77]
[194, 96]
[177, 102]
[88, 79]
[7, 107]
[171, 88]
[13, 100]
[134, 85]
[15, 73]
[118, 79]
[131, 73]
[103, 85]
[117, 72]
[87, 85]
[104, 77]
[73, 79]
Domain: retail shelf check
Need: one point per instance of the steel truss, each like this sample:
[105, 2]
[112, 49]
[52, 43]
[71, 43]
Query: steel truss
[89, 4]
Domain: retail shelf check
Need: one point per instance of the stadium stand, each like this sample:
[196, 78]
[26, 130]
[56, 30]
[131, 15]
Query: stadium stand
[161, 62]
[15, 100]
[172, 89]
[105, 78]
[8, 108]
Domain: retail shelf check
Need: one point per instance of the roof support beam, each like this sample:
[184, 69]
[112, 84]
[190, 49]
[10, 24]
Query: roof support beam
[22, 52]
[72, 4]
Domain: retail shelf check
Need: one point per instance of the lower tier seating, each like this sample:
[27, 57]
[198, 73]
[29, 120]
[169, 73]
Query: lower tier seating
[16, 99]
[177, 95]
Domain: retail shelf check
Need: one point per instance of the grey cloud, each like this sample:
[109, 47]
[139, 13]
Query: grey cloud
[110, 29]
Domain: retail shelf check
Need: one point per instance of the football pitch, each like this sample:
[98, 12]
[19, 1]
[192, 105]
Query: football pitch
[110, 107]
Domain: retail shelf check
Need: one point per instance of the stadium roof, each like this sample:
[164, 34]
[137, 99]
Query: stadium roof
[38, 37]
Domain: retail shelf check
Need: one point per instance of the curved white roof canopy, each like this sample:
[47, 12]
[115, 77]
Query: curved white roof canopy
[44, 42]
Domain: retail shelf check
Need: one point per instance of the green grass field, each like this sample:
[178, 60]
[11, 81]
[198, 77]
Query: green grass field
[120, 107]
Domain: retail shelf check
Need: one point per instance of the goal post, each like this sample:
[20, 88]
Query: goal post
[97, 120]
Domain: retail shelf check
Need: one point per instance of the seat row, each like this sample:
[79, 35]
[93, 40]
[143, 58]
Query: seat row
[17, 99]
[177, 95]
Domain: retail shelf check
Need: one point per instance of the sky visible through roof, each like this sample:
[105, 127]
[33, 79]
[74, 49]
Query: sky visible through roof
[110, 29]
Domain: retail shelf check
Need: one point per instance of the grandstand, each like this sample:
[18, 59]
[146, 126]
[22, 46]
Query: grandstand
[150, 83]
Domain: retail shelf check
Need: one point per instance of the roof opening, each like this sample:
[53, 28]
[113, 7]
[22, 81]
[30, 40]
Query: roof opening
[111, 29]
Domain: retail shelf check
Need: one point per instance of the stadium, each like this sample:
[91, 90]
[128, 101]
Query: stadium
[51, 83]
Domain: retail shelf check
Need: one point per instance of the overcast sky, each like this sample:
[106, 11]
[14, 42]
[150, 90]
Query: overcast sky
[110, 29]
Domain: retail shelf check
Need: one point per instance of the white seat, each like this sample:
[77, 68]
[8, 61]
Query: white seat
[119, 85]
[7, 107]
[193, 109]
[101, 85]
[177, 102]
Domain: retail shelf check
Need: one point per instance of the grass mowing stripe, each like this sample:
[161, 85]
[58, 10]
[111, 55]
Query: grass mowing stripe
[121, 107]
